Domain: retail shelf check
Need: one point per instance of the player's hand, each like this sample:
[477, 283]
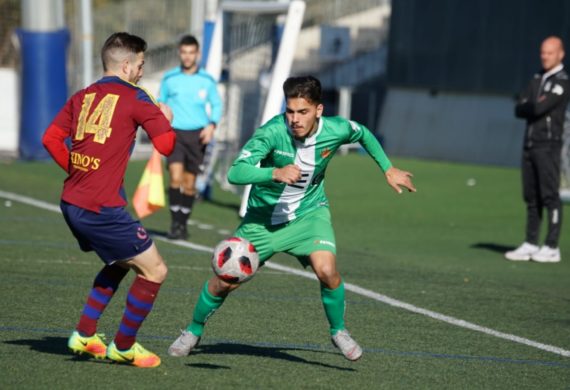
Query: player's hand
[207, 134]
[397, 178]
[166, 111]
[289, 174]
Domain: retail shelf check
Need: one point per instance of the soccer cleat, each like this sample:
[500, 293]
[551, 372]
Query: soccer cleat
[349, 348]
[184, 344]
[89, 345]
[522, 253]
[546, 254]
[177, 232]
[136, 356]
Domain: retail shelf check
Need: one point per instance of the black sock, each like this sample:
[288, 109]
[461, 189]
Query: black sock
[175, 200]
[186, 209]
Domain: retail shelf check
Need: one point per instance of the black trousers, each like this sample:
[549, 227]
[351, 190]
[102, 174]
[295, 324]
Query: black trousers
[541, 182]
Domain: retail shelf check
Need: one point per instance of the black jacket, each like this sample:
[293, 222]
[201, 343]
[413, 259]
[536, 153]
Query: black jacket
[543, 105]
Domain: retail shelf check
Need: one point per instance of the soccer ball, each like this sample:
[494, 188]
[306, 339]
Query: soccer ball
[235, 260]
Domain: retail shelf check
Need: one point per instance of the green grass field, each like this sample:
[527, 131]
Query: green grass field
[439, 249]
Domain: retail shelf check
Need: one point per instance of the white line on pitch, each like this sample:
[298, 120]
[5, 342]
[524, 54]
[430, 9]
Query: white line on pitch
[349, 286]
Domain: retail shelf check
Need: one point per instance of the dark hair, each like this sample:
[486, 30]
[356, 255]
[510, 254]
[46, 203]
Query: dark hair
[188, 40]
[307, 87]
[122, 41]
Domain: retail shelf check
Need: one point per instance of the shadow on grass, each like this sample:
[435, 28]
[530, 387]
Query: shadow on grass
[493, 247]
[208, 366]
[53, 346]
[262, 351]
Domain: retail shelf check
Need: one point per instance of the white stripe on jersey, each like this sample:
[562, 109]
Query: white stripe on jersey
[291, 197]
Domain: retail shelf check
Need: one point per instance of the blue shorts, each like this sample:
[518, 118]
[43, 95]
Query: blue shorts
[113, 234]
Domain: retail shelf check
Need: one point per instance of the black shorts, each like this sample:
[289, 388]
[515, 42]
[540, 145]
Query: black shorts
[188, 150]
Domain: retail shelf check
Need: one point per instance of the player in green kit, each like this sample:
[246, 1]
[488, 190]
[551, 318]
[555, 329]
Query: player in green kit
[288, 211]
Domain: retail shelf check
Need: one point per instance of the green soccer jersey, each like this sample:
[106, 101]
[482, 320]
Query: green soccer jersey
[273, 146]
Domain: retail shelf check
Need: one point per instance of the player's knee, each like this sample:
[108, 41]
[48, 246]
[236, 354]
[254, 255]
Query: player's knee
[328, 275]
[175, 182]
[220, 288]
[158, 274]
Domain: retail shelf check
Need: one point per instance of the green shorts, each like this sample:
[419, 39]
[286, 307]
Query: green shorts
[300, 237]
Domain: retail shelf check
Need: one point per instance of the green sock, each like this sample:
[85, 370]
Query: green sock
[333, 302]
[206, 306]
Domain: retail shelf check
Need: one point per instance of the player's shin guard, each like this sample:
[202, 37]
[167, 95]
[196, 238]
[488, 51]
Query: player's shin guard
[139, 304]
[206, 306]
[104, 286]
[333, 302]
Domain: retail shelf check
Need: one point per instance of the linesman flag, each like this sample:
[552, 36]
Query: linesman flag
[149, 195]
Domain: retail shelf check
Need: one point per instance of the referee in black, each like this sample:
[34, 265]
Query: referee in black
[543, 105]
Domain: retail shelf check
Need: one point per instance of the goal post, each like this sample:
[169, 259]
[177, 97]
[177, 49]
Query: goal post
[242, 57]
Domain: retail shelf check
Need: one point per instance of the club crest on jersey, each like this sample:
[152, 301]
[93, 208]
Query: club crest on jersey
[326, 152]
[141, 233]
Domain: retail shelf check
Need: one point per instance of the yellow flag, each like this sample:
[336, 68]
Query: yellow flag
[149, 195]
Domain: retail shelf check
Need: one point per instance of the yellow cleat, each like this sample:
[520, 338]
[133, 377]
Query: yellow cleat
[89, 345]
[136, 356]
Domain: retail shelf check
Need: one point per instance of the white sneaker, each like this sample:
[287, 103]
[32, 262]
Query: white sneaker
[349, 348]
[184, 344]
[547, 254]
[522, 253]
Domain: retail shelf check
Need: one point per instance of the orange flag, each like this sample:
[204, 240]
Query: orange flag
[149, 195]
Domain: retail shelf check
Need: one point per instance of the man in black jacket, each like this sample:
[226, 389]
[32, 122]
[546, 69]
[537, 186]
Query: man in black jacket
[543, 105]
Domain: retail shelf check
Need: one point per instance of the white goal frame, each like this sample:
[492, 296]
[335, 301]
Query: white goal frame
[294, 11]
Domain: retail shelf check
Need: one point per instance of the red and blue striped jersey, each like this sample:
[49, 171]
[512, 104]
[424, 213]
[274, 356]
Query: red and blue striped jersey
[102, 121]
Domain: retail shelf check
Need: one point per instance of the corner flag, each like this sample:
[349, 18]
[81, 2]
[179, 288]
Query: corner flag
[149, 195]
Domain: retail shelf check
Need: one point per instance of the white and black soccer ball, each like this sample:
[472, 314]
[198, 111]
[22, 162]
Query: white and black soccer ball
[235, 260]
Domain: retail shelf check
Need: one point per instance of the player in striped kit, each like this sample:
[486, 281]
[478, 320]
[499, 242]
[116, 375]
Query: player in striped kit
[101, 121]
[288, 210]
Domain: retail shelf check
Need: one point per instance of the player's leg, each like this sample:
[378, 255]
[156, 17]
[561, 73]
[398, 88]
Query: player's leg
[194, 156]
[84, 339]
[176, 174]
[533, 210]
[188, 197]
[333, 298]
[215, 291]
[532, 198]
[548, 166]
[332, 288]
[151, 273]
[213, 294]
[311, 239]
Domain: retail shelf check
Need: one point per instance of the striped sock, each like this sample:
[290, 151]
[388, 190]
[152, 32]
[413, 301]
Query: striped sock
[139, 304]
[104, 287]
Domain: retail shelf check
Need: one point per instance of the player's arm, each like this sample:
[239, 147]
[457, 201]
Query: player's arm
[395, 177]
[163, 91]
[215, 103]
[54, 141]
[155, 120]
[207, 134]
[546, 102]
[521, 108]
[56, 134]
[244, 169]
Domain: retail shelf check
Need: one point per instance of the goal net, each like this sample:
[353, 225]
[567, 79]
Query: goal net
[251, 53]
